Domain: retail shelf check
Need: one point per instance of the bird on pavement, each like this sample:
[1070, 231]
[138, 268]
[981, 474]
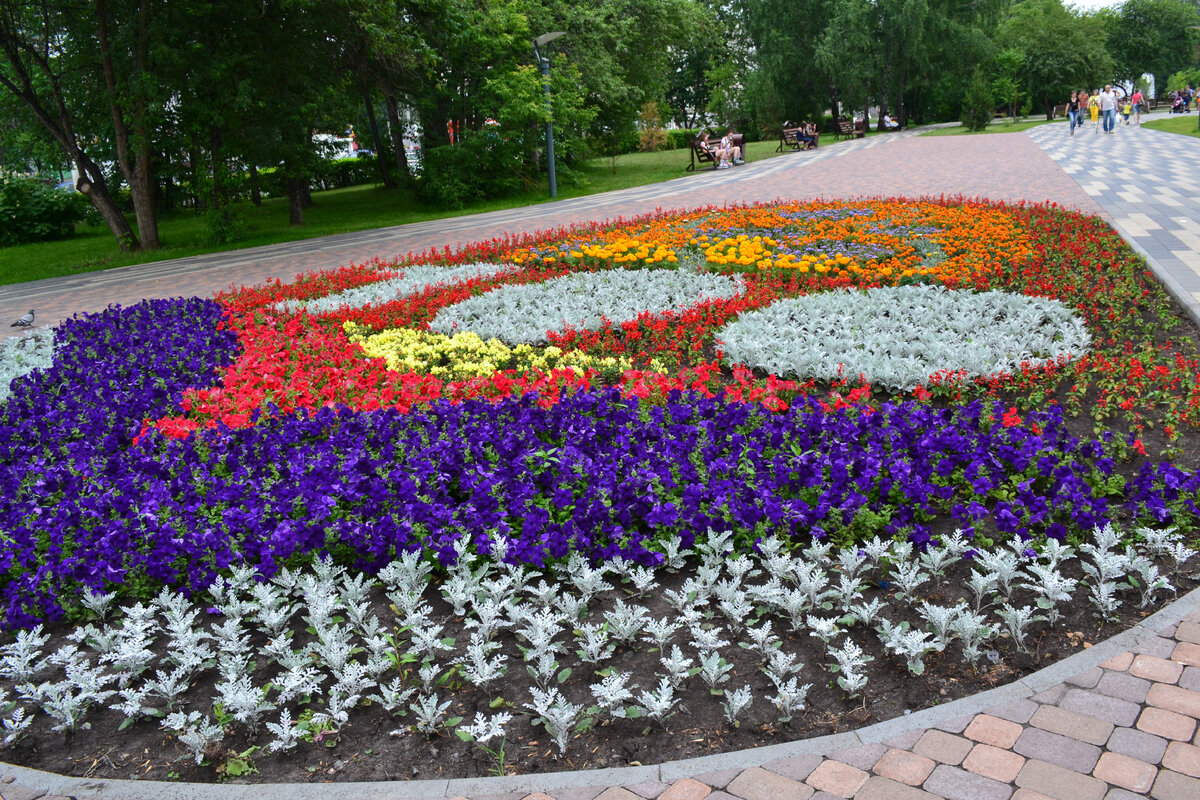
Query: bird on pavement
[24, 322]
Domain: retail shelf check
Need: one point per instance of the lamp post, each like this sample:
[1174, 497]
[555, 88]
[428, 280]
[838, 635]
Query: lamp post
[544, 63]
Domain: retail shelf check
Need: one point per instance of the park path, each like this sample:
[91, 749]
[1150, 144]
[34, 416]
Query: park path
[1119, 720]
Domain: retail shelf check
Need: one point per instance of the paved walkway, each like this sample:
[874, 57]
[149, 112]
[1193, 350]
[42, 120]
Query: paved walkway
[1119, 720]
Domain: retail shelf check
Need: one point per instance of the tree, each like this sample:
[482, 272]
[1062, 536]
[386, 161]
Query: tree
[1006, 86]
[977, 104]
[1063, 49]
[1155, 37]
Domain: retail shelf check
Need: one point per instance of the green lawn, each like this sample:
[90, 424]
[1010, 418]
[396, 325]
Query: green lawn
[1173, 123]
[184, 233]
[1003, 125]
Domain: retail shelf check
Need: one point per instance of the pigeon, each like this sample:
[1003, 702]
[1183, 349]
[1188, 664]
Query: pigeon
[24, 322]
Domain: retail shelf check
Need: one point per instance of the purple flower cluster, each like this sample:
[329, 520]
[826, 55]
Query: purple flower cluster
[599, 473]
[71, 424]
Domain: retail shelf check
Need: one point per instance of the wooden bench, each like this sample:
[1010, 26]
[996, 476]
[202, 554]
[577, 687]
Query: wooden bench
[1060, 111]
[702, 156]
[845, 129]
[788, 138]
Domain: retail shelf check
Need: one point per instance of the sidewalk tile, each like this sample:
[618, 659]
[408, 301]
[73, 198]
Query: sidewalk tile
[905, 767]
[1173, 698]
[1056, 749]
[1118, 663]
[538, 796]
[718, 779]
[1182, 757]
[1128, 773]
[1156, 646]
[797, 767]
[1173, 786]
[1113, 709]
[1018, 711]
[1187, 653]
[942, 747]
[1050, 696]
[757, 783]
[686, 789]
[1190, 678]
[993, 762]
[1167, 724]
[955, 725]
[1086, 679]
[1124, 686]
[958, 784]
[864, 756]
[877, 788]
[617, 793]
[905, 741]
[1061, 784]
[12, 792]
[1030, 794]
[578, 793]
[1138, 744]
[993, 730]
[1073, 725]
[840, 780]
[1162, 670]
[1117, 793]
[1188, 632]
[649, 790]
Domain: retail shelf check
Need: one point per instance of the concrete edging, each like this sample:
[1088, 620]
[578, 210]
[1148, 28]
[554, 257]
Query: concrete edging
[1022, 688]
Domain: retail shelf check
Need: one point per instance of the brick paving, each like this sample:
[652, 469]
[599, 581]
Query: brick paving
[1119, 724]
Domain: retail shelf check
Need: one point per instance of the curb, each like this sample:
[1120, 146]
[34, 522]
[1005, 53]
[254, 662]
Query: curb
[1053, 675]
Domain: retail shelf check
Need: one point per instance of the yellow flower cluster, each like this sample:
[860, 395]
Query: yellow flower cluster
[626, 251]
[744, 250]
[466, 355]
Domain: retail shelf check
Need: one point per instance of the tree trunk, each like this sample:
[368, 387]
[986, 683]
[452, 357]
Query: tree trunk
[295, 188]
[197, 176]
[220, 178]
[93, 186]
[397, 131]
[306, 193]
[384, 172]
[135, 161]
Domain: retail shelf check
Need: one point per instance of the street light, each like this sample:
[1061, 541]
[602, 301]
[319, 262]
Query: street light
[543, 62]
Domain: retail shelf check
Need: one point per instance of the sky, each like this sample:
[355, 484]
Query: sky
[1091, 5]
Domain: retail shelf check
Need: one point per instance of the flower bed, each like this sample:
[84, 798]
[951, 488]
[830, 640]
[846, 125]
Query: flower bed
[625, 414]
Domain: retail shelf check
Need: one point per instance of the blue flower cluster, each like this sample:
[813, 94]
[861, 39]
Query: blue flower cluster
[598, 473]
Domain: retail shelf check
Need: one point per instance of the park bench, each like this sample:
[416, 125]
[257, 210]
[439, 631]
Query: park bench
[845, 129]
[787, 137]
[701, 156]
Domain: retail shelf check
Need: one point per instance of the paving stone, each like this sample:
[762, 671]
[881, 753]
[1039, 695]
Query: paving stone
[1086, 679]
[1182, 757]
[686, 789]
[840, 780]
[720, 778]
[1167, 724]
[904, 767]
[516, 796]
[649, 790]
[941, 746]
[1138, 744]
[1019, 711]
[958, 784]
[1175, 698]
[538, 796]
[1113, 709]
[719, 795]
[879, 788]
[1188, 632]
[1124, 686]
[1128, 773]
[1058, 783]
[617, 793]
[1118, 663]
[13, 792]
[905, 741]
[819, 796]
[797, 767]
[1122, 794]
[1056, 749]
[1071, 724]
[1162, 670]
[956, 725]
[994, 731]
[1190, 679]
[1156, 646]
[993, 762]
[757, 783]
[1050, 696]
[1173, 786]
[864, 756]
[1187, 653]
[1030, 794]
[578, 793]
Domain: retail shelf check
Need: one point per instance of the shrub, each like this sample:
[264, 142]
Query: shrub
[977, 104]
[681, 138]
[651, 135]
[481, 165]
[30, 211]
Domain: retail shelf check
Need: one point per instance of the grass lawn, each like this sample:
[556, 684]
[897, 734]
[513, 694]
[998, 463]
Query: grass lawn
[1173, 123]
[183, 233]
[1003, 125]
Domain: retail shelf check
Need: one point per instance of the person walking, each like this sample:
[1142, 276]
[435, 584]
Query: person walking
[1093, 105]
[1108, 107]
[1137, 101]
[1073, 111]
